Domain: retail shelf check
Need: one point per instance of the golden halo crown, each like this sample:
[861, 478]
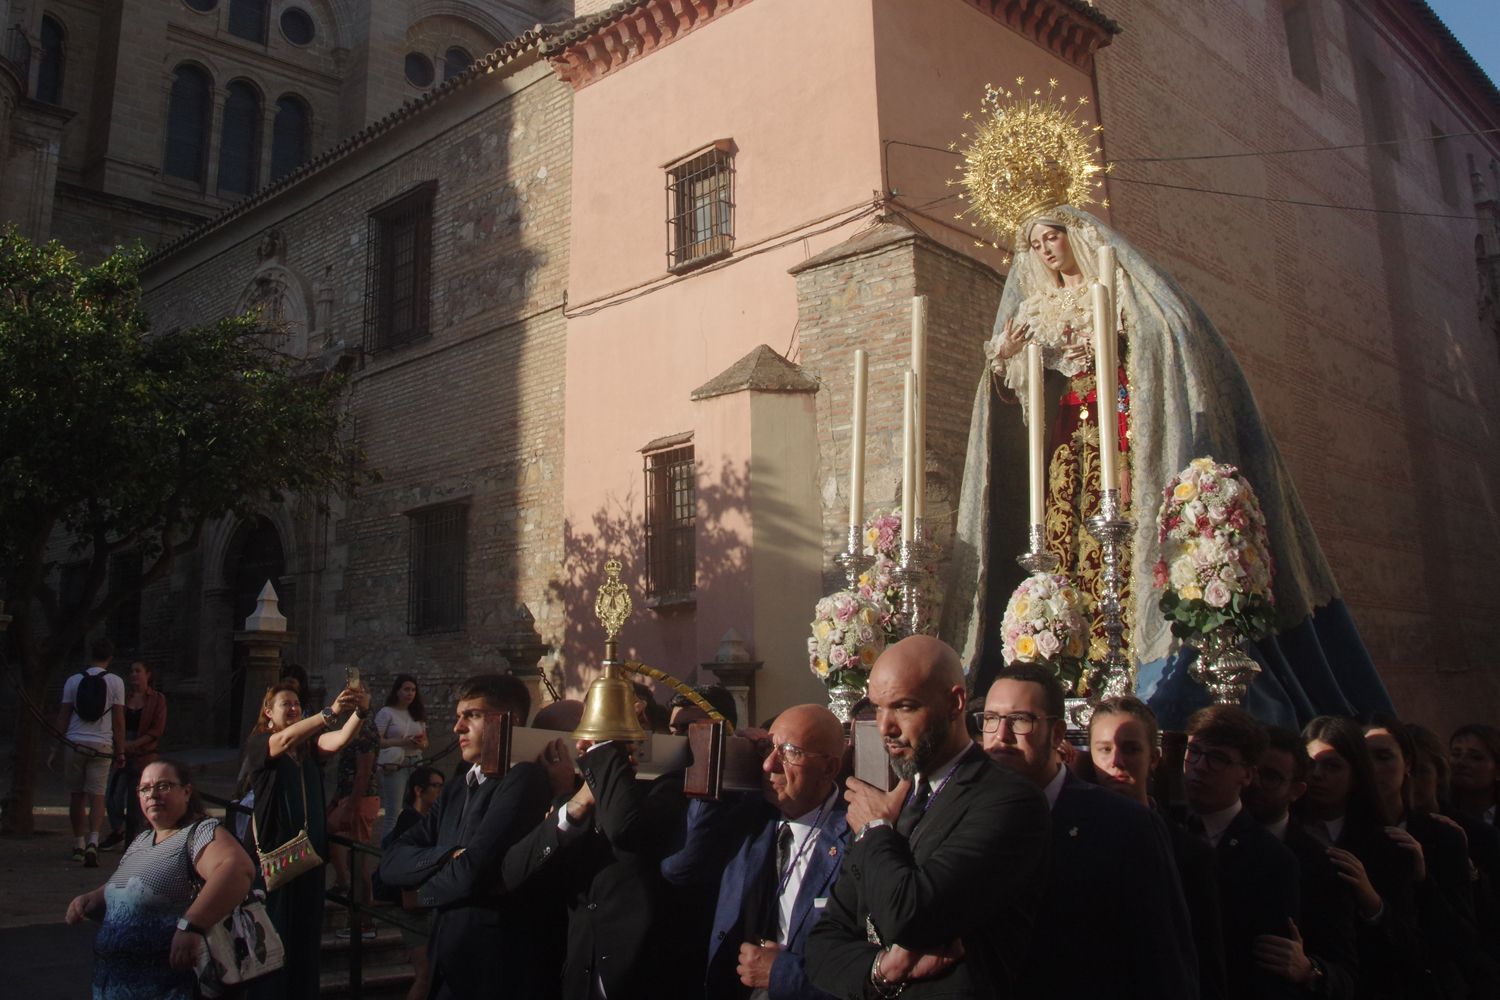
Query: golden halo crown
[1026, 155]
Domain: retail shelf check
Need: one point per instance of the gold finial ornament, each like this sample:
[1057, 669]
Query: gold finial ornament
[1027, 155]
[609, 706]
[613, 606]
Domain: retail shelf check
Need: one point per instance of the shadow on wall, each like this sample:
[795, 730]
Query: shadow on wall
[664, 636]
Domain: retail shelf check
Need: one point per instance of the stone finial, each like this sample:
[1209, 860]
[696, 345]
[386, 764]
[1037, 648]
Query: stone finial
[267, 616]
[732, 649]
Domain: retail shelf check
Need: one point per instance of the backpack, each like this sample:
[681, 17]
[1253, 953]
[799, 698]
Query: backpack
[92, 697]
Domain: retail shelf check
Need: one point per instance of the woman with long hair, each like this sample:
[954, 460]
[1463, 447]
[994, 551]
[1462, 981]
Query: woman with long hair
[1343, 808]
[145, 722]
[284, 760]
[1474, 753]
[401, 727]
[179, 877]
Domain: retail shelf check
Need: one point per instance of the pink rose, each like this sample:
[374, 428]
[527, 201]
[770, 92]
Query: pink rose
[1216, 594]
[1047, 644]
[1160, 574]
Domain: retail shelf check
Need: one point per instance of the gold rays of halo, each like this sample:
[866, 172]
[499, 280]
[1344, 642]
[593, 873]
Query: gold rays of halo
[1025, 155]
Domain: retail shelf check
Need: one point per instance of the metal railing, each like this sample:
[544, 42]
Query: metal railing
[16, 51]
[347, 899]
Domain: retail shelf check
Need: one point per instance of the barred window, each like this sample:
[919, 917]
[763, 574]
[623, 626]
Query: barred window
[671, 508]
[247, 19]
[700, 207]
[291, 136]
[399, 270]
[435, 577]
[239, 140]
[187, 123]
[49, 77]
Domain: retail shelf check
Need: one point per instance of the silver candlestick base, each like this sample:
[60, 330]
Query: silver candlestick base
[853, 560]
[1222, 667]
[910, 574]
[1037, 559]
[1111, 676]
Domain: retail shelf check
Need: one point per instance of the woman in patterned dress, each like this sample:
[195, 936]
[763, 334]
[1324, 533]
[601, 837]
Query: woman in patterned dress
[179, 877]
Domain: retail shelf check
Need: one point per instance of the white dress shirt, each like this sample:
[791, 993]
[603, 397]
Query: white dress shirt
[803, 828]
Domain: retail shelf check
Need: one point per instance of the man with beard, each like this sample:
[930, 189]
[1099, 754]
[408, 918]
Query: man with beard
[914, 910]
[1136, 939]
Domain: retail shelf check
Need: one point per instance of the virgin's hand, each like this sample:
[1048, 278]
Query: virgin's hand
[1408, 843]
[1011, 340]
[1079, 354]
[1352, 871]
[185, 946]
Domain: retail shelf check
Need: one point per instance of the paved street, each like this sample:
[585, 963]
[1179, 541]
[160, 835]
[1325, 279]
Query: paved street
[43, 958]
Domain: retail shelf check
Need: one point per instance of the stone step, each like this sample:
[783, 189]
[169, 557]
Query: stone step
[387, 983]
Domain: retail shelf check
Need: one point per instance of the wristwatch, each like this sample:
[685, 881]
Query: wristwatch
[184, 924]
[1318, 980]
[872, 824]
[361, 712]
[329, 719]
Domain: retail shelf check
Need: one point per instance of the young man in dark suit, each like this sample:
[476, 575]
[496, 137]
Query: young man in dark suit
[1133, 937]
[483, 943]
[1258, 876]
[939, 892]
[771, 859]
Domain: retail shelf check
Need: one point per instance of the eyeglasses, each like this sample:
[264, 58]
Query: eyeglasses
[1020, 723]
[160, 788]
[1213, 760]
[790, 753]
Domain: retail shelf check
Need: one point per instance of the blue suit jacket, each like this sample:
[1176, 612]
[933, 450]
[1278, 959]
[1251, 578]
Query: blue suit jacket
[734, 842]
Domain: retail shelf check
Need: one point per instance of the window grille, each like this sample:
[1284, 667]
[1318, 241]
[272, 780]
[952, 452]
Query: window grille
[399, 271]
[239, 140]
[671, 514]
[187, 123]
[49, 80]
[291, 136]
[435, 578]
[247, 19]
[700, 208]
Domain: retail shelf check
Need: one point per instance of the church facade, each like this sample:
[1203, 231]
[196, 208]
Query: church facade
[598, 294]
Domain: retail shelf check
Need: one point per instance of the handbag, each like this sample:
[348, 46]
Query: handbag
[280, 865]
[241, 947]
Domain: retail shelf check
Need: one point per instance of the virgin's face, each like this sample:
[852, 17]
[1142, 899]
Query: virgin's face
[285, 710]
[1051, 246]
[1329, 778]
[1473, 767]
[406, 695]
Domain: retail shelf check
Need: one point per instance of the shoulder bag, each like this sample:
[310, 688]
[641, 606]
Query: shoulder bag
[242, 947]
[280, 865]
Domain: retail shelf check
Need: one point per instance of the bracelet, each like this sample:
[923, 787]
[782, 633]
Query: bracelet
[329, 718]
[361, 712]
[883, 987]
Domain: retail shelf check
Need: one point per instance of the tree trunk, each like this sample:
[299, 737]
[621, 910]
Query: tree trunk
[16, 815]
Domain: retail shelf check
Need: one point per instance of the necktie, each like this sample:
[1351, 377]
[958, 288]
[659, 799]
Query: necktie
[472, 780]
[916, 805]
[1194, 824]
[783, 873]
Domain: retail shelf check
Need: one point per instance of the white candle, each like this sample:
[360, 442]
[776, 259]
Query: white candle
[919, 414]
[857, 442]
[1036, 426]
[1107, 270]
[908, 456]
[1106, 375]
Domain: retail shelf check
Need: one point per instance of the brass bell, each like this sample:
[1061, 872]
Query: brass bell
[609, 709]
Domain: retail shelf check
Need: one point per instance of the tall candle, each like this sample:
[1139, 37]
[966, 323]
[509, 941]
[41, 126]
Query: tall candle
[908, 458]
[857, 442]
[1105, 370]
[1107, 270]
[919, 414]
[1036, 427]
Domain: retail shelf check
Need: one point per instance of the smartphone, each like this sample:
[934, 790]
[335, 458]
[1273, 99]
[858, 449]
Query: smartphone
[351, 678]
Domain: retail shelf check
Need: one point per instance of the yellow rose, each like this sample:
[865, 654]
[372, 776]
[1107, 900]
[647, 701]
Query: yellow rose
[867, 656]
[820, 666]
[822, 629]
[1202, 464]
[1026, 648]
[1192, 592]
[1185, 491]
[1023, 607]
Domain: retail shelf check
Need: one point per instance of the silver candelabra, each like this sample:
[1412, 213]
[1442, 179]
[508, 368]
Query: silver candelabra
[1111, 676]
[853, 560]
[910, 574]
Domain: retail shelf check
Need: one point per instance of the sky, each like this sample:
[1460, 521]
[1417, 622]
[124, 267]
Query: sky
[1477, 25]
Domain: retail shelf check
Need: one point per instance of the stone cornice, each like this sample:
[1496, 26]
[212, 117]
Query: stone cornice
[596, 46]
[1428, 42]
[1072, 30]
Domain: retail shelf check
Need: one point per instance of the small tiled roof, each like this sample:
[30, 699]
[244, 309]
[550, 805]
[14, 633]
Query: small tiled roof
[507, 53]
[762, 370]
[582, 27]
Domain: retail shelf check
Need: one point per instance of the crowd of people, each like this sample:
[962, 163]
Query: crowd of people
[1357, 858]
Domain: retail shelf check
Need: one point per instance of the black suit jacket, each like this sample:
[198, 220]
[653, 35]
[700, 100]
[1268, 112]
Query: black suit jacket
[1328, 922]
[1198, 870]
[473, 916]
[625, 927]
[973, 869]
[1110, 865]
[1258, 894]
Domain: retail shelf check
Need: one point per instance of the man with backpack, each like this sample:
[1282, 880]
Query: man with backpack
[93, 718]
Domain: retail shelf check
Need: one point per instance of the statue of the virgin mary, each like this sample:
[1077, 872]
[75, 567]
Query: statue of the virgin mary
[1181, 396]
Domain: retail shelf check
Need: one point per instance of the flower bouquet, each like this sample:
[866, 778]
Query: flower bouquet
[1047, 623]
[879, 582]
[1215, 571]
[847, 636]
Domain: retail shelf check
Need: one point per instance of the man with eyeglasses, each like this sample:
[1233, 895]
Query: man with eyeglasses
[914, 911]
[1324, 954]
[1133, 937]
[772, 859]
[1258, 877]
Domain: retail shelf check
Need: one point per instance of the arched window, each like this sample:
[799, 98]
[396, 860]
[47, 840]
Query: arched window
[247, 20]
[239, 142]
[418, 70]
[455, 61]
[187, 123]
[291, 136]
[49, 79]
